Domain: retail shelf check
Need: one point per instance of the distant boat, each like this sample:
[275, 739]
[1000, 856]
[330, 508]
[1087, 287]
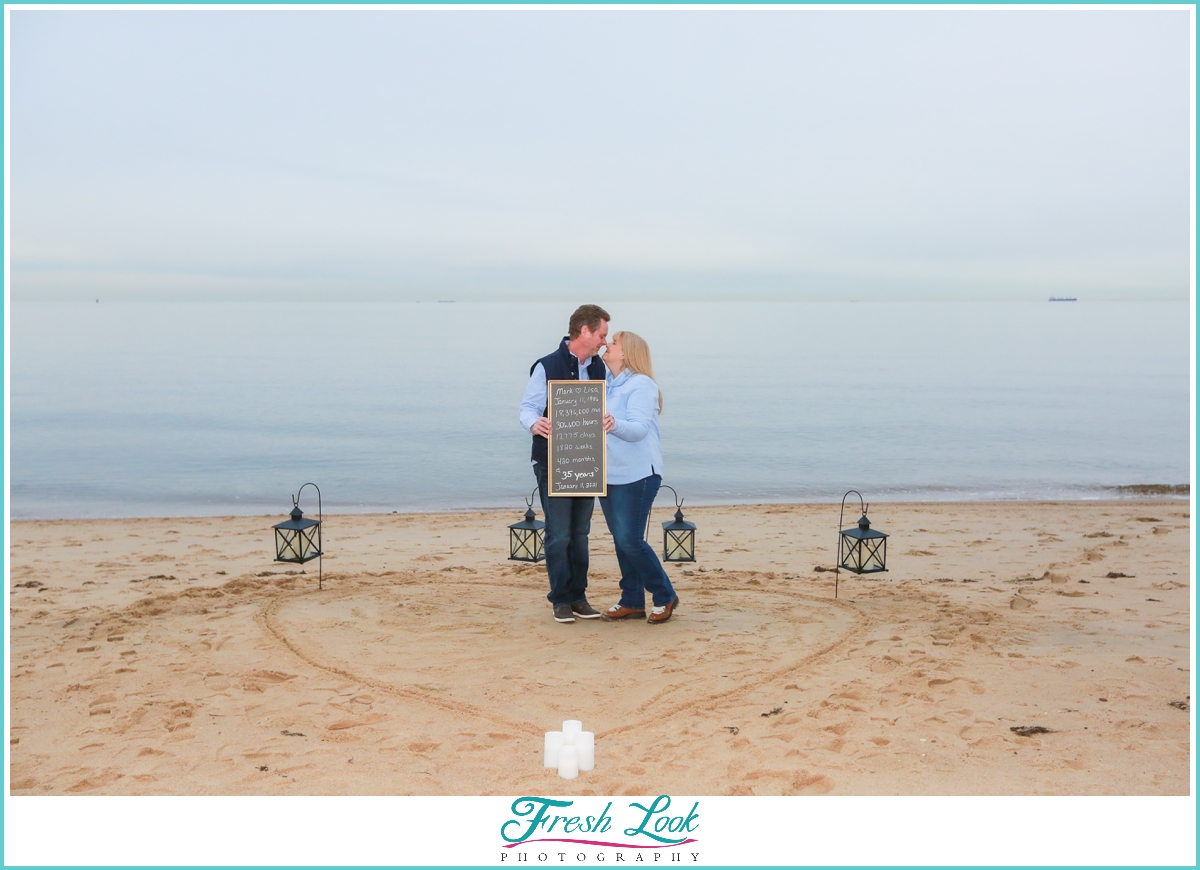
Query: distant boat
[1063, 299]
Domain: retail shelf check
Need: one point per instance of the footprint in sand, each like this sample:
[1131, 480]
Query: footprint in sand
[883, 665]
[97, 780]
[807, 783]
[343, 724]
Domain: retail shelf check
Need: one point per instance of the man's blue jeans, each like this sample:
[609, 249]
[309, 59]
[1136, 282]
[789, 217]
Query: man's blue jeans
[568, 521]
[626, 509]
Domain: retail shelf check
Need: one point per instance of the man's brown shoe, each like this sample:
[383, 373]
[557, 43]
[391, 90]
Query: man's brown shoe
[619, 612]
[659, 615]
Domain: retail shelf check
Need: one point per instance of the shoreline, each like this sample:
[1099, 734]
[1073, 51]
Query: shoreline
[174, 656]
[1164, 493]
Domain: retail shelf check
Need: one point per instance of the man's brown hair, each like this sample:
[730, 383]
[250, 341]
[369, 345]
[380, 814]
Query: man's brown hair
[586, 315]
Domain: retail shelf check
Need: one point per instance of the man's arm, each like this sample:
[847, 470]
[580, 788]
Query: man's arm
[534, 402]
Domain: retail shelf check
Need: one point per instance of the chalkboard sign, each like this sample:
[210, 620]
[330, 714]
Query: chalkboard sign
[577, 449]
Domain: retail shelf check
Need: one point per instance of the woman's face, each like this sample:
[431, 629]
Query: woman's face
[614, 358]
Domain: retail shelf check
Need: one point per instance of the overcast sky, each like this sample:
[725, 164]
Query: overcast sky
[403, 154]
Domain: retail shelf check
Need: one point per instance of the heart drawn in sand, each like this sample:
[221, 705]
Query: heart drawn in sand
[523, 670]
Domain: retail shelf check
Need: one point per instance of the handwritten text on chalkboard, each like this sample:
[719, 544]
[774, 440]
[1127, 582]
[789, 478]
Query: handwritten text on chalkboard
[577, 448]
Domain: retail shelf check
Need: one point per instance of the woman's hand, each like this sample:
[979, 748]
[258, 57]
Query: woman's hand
[609, 422]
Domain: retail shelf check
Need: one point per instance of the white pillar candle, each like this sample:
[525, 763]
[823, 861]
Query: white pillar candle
[568, 762]
[571, 727]
[585, 747]
[554, 742]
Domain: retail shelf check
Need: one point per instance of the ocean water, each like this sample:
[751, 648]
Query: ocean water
[190, 409]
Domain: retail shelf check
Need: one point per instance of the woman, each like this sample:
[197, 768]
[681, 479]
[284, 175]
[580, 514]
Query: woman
[634, 476]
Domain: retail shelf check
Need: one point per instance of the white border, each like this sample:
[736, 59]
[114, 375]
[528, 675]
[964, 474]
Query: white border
[830, 831]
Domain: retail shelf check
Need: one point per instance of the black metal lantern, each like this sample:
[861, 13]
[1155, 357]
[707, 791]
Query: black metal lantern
[527, 539]
[861, 549]
[679, 536]
[298, 539]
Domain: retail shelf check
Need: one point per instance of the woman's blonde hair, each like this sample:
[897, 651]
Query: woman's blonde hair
[637, 357]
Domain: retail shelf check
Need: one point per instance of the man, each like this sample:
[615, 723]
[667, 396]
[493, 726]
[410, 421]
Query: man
[568, 518]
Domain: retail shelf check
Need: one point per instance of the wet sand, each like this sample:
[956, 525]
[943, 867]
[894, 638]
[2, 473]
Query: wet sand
[173, 656]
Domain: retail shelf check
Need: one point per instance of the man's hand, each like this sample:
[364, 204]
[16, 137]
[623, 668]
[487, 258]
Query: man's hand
[609, 422]
[542, 427]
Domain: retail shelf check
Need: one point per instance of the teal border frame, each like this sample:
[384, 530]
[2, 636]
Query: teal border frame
[879, 4]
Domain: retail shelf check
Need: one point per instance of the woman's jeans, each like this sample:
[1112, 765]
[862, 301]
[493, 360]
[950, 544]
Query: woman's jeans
[626, 509]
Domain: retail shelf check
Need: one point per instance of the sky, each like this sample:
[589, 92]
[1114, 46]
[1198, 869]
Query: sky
[420, 155]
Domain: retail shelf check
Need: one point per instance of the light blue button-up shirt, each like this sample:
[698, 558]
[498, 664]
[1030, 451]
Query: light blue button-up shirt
[533, 403]
[633, 443]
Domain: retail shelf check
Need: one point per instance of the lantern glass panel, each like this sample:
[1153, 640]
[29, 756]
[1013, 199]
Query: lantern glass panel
[854, 556]
[863, 555]
[526, 545]
[679, 545]
[294, 544]
[872, 554]
[310, 543]
[287, 545]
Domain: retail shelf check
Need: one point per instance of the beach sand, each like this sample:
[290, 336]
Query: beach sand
[173, 656]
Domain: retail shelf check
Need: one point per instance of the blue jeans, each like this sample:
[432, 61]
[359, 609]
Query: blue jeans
[568, 521]
[626, 508]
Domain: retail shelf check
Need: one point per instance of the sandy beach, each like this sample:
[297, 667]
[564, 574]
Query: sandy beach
[173, 656]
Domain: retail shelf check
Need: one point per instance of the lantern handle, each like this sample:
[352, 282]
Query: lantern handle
[678, 508]
[296, 498]
[529, 501]
[843, 510]
[678, 500]
[321, 517]
[837, 566]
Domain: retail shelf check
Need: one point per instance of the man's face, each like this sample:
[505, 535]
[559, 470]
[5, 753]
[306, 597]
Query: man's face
[593, 342]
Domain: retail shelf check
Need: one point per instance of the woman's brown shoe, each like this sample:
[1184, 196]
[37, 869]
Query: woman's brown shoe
[659, 615]
[619, 612]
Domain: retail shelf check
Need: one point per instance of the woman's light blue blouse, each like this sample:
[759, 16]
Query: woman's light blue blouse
[633, 444]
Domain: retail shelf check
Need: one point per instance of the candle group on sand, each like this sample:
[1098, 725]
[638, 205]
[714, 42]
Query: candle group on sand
[570, 750]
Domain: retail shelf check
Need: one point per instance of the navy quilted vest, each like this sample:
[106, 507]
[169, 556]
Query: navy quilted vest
[561, 366]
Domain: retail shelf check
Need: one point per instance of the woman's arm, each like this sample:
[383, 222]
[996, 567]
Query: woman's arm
[639, 411]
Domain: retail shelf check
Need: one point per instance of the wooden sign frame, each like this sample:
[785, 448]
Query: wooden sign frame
[562, 458]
